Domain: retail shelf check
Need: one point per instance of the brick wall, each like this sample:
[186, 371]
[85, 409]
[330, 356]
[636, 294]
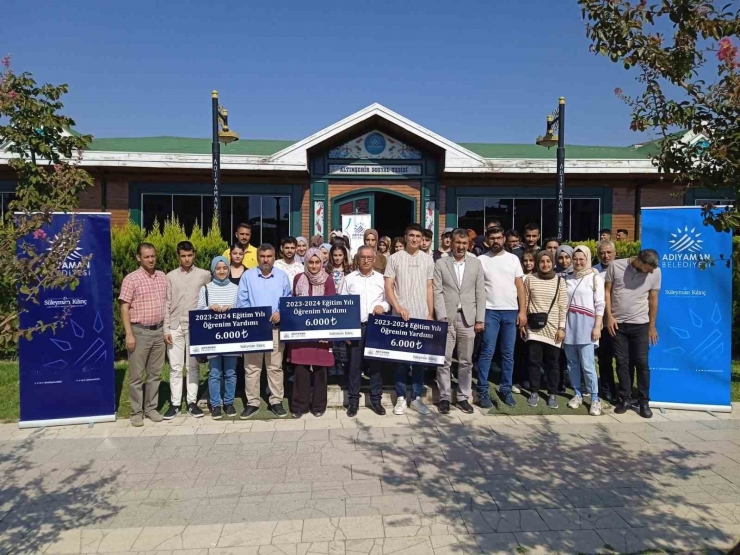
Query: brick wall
[442, 210]
[117, 200]
[653, 194]
[306, 212]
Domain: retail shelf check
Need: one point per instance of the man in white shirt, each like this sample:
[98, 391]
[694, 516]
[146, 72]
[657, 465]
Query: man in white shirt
[370, 286]
[288, 263]
[505, 312]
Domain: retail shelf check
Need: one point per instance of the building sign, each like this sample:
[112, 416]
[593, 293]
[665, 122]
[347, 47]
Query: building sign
[374, 169]
[373, 146]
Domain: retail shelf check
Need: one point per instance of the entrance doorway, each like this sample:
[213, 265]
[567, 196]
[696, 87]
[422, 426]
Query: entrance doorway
[390, 213]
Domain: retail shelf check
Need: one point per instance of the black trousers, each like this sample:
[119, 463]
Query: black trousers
[631, 344]
[301, 398]
[542, 356]
[356, 352]
[606, 366]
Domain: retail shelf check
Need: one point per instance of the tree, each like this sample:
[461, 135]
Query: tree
[677, 46]
[44, 158]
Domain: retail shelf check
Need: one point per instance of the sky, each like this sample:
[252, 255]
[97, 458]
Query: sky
[472, 71]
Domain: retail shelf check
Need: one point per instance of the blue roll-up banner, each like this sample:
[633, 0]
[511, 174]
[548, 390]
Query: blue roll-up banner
[690, 366]
[67, 376]
[320, 318]
[414, 341]
[238, 330]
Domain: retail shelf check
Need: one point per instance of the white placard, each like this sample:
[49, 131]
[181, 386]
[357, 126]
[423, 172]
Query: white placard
[354, 226]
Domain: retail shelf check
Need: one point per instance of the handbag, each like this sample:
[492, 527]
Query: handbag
[203, 359]
[538, 320]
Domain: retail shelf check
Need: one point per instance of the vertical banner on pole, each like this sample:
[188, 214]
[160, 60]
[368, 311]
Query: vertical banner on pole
[690, 366]
[67, 376]
[354, 226]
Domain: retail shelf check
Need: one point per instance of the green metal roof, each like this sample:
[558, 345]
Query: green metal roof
[185, 145]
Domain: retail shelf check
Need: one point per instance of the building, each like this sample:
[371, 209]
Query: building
[374, 161]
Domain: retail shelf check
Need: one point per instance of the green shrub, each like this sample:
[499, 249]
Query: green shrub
[125, 240]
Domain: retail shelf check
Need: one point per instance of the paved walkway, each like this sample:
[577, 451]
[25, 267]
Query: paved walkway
[371, 485]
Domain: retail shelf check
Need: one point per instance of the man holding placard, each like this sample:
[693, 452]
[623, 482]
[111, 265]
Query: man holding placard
[264, 286]
[408, 288]
[369, 286]
[459, 300]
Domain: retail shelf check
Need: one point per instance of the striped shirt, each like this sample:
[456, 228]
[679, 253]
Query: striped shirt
[222, 295]
[411, 274]
[541, 293]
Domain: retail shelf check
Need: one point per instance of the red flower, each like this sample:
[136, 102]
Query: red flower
[618, 91]
[39, 234]
[12, 95]
[727, 52]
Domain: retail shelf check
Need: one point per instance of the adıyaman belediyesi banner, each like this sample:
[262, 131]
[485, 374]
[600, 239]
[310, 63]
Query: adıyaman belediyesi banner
[691, 364]
[67, 376]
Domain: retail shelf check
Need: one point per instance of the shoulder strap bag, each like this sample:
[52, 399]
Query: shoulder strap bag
[538, 320]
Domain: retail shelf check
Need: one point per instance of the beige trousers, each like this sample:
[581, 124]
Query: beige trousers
[274, 364]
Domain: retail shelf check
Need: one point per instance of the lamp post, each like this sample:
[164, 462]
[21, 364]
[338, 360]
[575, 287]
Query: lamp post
[549, 140]
[221, 134]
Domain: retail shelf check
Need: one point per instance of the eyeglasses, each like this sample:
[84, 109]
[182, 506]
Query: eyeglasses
[366, 257]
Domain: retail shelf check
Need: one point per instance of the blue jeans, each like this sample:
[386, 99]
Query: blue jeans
[417, 380]
[222, 369]
[581, 359]
[503, 322]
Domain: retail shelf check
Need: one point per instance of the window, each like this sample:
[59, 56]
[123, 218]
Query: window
[5, 199]
[269, 216]
[581, 216]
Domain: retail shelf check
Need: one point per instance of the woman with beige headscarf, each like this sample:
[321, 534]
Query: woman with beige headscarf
[370, 238]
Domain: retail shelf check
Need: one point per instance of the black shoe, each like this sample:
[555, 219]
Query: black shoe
[230, 410]
[171, 412]
[278, 410]
[352, 411]
[623, 406]
[378, 409]
[297, 415]
[444, 407]
[465, 406]
[195, 411]
[318, 413]
[645, 411]
[216, 413]
[248, 412]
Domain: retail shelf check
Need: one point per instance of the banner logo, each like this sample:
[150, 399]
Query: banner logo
[685, 240]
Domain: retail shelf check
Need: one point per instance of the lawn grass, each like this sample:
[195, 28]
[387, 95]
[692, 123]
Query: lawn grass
[9, 395]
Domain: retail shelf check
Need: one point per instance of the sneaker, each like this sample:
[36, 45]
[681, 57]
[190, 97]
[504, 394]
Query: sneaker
[508, 399]
[378, 409]
[552, 402]
[278, 410]
[171, 412]
[297, 415]
[137, 421]
[533, 400]
[484, 402]
[444, 407]
[248, 412]
[154, 416]
[230, 410]
[575, 401]
[400, 407]
[216, 413]
[515, 390]
[419, 406]
[595, 409]
[465, 406]
[318, 413]
[194, 410]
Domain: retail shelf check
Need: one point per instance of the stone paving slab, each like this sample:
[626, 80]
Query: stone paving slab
[372, 485]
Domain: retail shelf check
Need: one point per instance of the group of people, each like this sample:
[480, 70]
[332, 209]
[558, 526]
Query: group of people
[544, 311]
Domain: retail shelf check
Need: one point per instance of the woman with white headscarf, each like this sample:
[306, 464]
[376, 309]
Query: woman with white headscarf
[583, 327]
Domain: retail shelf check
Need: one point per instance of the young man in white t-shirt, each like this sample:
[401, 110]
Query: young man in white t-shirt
[505, 311]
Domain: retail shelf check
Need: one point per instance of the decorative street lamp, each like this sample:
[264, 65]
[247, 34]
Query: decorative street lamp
[221, 134]
[549, 140]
